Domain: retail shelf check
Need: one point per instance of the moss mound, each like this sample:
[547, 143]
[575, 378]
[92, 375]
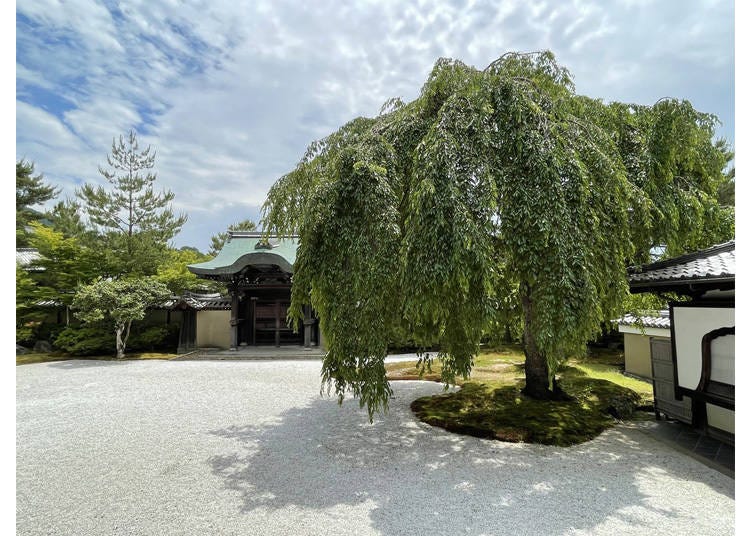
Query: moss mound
[505, 414]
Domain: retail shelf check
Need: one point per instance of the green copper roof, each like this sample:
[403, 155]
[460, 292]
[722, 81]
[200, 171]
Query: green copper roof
[246, 248]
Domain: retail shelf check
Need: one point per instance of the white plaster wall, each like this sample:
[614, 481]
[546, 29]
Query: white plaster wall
[720, 418]
[638, 354]
[722, 359]
[690, 325]
[213, 330]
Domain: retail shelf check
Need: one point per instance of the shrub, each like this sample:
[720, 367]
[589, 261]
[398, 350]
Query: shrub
[154, 337]
[25, 333]
[91, 339]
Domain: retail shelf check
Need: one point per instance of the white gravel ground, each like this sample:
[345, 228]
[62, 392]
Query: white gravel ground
[201, 448]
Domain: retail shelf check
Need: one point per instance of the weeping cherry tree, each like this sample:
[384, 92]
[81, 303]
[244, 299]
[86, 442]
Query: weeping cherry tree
[497, 193]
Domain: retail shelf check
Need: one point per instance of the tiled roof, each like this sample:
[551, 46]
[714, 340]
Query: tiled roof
[660, 320]
[248, 248]
[199, 302]
[714, 263]
[26, 257]
[48, 303]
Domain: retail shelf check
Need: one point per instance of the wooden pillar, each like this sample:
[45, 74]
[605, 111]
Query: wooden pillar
[193, 342]
[253, 303]
[234, 318]
[188, 328]
[278, 323]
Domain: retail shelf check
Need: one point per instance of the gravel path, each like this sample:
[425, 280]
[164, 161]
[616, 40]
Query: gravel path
[199, 448]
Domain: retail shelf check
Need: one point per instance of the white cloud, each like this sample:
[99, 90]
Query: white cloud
[25, 76]
[231, 93]
[56, 151]
[34, 124]
[87, 18]
[102, 119]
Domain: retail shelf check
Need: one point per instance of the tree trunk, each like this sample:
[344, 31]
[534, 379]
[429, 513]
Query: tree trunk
[508, 336]
[122, 340]
[119, 328]
[537, 370]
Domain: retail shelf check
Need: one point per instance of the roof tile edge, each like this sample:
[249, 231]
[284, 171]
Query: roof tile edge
[667, 263]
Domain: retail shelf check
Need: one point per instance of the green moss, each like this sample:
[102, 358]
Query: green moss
[613, 374]
[506, 414]
[490, 403]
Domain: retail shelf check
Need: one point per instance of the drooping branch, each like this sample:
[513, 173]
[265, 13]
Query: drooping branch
[495, 194]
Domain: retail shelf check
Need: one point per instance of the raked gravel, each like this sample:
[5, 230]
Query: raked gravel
[202, 448]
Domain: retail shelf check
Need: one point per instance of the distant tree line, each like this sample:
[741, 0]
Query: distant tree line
[104, 257]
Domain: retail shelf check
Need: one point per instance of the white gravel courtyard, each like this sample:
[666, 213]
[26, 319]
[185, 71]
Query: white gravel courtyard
[251, 448]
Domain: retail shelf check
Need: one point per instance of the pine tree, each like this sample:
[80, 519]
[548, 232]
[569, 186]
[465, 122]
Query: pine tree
[133, 222]
[30, 191]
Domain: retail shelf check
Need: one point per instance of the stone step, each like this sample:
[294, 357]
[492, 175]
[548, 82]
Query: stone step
[251, 354]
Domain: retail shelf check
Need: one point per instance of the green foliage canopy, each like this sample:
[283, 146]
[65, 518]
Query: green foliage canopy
[726, 189]
[27, 317]
[120, 233]
[64, 264]
[495, 192]
[31, 191]
[118, 301]
[173, 272]
[66, 219]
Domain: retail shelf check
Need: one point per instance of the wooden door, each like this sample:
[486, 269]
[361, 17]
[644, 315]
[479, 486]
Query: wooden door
[271, 326]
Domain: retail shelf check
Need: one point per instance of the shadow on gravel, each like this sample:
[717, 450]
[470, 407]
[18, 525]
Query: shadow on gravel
[422, 480]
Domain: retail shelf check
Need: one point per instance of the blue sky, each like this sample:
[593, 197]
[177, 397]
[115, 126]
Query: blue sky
[231, 93]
